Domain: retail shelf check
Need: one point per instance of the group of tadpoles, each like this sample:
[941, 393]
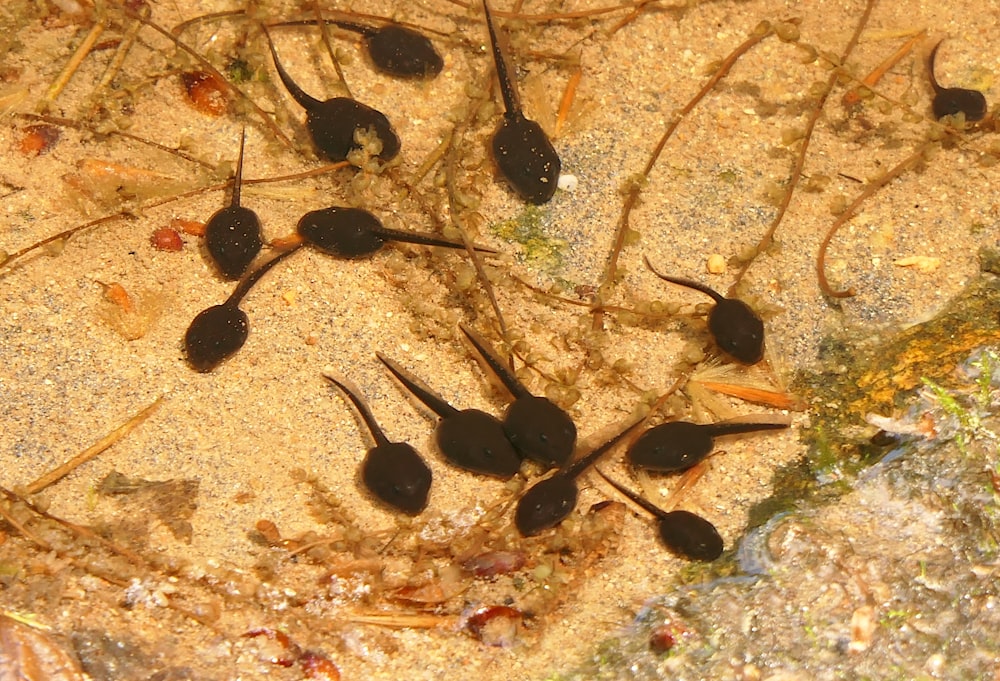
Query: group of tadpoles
[533, 428]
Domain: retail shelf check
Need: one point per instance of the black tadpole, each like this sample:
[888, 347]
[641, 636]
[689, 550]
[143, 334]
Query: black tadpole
[468, 438]
[682, 532]
[392, 471]
[333, 123]
[394, 49]
[537, 428]
[547, 503]
[397, 50]
[232, 234]
[679, 445]
[949, 101]
[733, 324]
[219, 331]
[354, 233]
[522, 151]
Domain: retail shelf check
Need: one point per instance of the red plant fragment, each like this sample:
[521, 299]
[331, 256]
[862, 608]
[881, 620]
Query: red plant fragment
[38, 139]
[318, 666]
[495, 625]
[205, 92]
[192, 227]
[294, 652]
[166, 239]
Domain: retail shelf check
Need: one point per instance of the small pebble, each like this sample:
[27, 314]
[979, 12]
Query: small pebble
[568, 182]
[716, 264]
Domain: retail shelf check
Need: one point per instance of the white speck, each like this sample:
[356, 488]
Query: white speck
[568, 182]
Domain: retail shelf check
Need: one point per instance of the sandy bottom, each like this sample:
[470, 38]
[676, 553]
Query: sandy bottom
[264, 525]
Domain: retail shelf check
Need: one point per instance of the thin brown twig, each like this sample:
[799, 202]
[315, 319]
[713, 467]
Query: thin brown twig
[454, 212]
[79, 125]
[7, 263]
[800, 161]
[849, 212]
[72, 65]
[632, 197]
[94, 450]
[77, 529]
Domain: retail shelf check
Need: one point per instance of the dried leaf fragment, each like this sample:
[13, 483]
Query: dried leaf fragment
[29, 654]
[923, 263]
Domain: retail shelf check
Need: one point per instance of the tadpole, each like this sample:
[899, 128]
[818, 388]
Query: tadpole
[334, 123]
[354, 233]
[392, 471]
[733, 324]
[952, 100]
[547, 503]
[232, 234]
[397, 50]
[682, 532]
[537, 427]
[393, 48]
[679, 445]
[219, 331]
[468, 438]
[523, 152]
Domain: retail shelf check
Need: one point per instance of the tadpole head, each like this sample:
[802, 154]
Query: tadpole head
[334, 122]
[545, 505]
[526, 158]
[403, 53]
[475, 441]
[540, 430]
[342, 232]
[672, 446]
[737, 330]
[396, 474]
[233, 240]
[690, 536]
[214, 335]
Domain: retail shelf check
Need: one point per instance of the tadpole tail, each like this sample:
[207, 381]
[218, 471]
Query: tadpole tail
[580, 465]
[498, 368]
[420, 390]
[930, 68]
[248, 282]
[507, 90]
[346, 25]
[238, 181]
[366, 414]
[721, 429]
[304, 100]
[715, 295]
[632, 496]
[424, 239]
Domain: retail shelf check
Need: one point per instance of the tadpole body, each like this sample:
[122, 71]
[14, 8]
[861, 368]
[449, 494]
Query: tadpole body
[523, 152]
[679, 445]
[734, 325]
[394, 49]
[397, 50]
[537, 427]
[682, 532]
[468, 438]
[232, 234]
[392, 471]
[333, 123]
